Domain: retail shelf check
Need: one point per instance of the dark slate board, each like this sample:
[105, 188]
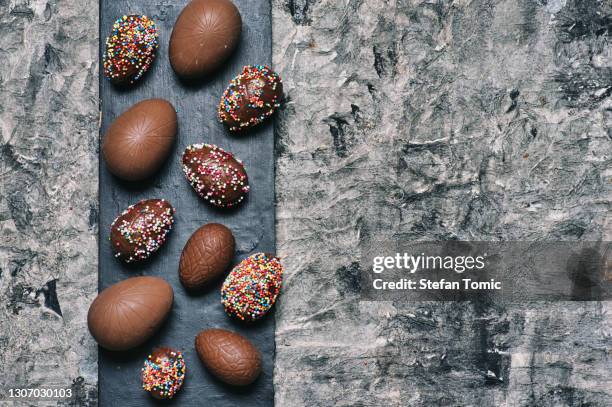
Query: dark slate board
[252, 223]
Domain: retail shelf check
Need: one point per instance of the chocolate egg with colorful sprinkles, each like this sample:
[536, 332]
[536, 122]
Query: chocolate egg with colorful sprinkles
[216, 175]
[251, 288]
[141, 229]
[163, 373]
[205, 34]
[130, 49]
[250, 98]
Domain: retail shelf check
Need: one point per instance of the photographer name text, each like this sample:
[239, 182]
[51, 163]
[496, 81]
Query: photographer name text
[410, 263]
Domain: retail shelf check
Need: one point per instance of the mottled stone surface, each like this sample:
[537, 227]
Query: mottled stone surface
[473, 120]
[48, 194]
[419, 119]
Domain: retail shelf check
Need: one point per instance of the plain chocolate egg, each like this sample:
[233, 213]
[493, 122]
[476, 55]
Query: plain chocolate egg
[206, 256]
[229, 356]
[141, 229]
[204, 36]
[128, 313]
[139, 141]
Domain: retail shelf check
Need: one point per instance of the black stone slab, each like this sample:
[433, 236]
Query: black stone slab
[252, 223]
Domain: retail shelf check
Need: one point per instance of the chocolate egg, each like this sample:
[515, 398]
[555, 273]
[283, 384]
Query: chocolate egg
[141, 229]
[126, 314]
[204, 36]
[216, 175]
[250, 98]
[206, 256]
[138, 142]
[163, 373]
[229, 356]
[251, 288]
[130, 49]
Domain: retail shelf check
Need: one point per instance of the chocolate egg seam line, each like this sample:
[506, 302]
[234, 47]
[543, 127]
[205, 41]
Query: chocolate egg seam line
[128, 305]
[148, 131]
[130, 49]
[134, 291]
[182, 37]
[132, 302]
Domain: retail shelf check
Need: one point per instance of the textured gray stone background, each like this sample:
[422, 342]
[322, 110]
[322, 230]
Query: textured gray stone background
[466, 119]
[458, 119]
[48, 194]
